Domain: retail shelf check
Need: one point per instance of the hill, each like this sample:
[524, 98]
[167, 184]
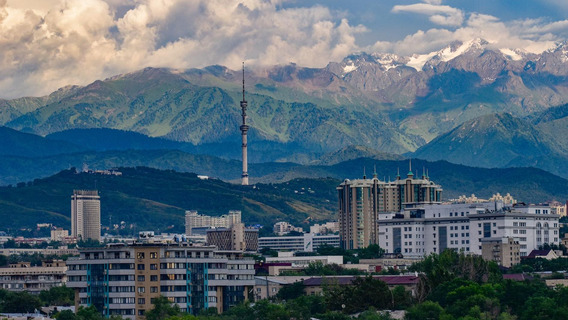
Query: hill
[156, 199]
[498, 140]
[16, 143]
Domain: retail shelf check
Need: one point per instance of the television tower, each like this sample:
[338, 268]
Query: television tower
[244, 128]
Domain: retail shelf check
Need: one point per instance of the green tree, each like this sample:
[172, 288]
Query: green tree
[18, 302]
[89, 313]
[426, 310]
[66, 315]
[291, 291]
[57, 296]
[162, 309]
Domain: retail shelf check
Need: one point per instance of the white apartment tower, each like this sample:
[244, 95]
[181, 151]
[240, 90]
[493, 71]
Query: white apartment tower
[86, 215]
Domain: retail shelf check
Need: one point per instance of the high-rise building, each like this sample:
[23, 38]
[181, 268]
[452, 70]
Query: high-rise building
[86, 215]
[361, 201]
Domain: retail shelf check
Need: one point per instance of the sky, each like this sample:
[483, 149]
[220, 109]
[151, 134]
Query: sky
[48, 44]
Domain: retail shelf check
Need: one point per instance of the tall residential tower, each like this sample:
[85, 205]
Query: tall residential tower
[244, 128]
[86, 214]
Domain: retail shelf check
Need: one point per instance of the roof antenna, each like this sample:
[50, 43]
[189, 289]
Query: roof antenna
[364, 174]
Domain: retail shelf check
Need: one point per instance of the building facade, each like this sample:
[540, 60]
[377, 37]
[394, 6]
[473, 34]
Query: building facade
[426, 229]
[195, 220]
[235, 238]
[124, 280]
[505, 252]
[361, 201]
[33, 279]
[86, 215]
[308, 242]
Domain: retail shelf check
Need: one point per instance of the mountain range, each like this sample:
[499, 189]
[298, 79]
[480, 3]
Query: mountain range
[469, 103]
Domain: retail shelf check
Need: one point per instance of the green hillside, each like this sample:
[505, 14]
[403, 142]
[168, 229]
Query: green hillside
[156, 199]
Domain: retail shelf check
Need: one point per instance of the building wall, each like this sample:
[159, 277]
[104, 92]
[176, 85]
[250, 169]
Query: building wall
[124, 280]
[195, 220]
[23, 277]
[434, 228]
[504, 251]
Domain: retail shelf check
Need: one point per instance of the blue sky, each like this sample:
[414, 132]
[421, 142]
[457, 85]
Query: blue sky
[47, 44]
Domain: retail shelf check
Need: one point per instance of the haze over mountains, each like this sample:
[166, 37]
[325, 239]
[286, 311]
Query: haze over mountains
[505, 105]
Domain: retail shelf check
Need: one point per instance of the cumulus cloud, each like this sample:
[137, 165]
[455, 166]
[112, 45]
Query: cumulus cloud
[438, 14]
[78, 41]
[530, 35]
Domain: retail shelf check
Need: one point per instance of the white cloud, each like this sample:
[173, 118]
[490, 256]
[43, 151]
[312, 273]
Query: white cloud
[79, 41]
[439, 14]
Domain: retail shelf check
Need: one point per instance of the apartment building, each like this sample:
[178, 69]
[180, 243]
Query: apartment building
[22, 276]
[425, 229]
[195, 220]
[361, 201]
[124, 279]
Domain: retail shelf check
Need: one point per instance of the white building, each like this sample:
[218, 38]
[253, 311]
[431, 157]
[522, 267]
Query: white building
[86, 215]
[281, 228]
[307, 242]
[195, 220]
[325, 228]
[429, 229]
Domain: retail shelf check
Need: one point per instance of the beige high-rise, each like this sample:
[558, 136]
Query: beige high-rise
[86, 215]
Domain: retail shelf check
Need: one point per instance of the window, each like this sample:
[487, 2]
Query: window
[154, 278]
[153, 289]
[140, 255]
[140, 267]
[141, 278]
[141, 301]
[153, 266]
[153, 255]
[140, 312]
[141, 289]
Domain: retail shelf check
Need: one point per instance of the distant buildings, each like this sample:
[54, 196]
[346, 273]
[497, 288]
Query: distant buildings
[328, 227]
[125, 280]
[86, 215]
[195, 220]
[236, 237]
[22, 276]
[308, 242]
[281, 228]
[361, 201]
[425, 229]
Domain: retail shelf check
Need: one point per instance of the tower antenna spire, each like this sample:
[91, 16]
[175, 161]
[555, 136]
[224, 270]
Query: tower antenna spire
[244, 128]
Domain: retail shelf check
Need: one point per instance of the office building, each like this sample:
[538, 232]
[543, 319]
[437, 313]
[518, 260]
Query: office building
[195, 220]
[361, 201]
[86, 215]
[124, 280]
[426, 229]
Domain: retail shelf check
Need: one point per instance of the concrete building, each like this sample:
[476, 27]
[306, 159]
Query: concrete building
[235, 238]
[304, 261]
[505, 251]
[195, 220]
[22, 276]
[124, 280]
[325, 228]
[268, 286]
[281, 228]
[317, 285]
[86, 215]
[308, 242]
[59, 235]
[361, 201]
[425, 229]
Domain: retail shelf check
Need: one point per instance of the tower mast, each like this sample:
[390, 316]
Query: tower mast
[244, 128]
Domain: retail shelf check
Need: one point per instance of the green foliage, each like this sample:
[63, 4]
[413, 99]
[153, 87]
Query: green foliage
[371, 252]
[426, 310]
[291, 291]
[57, 296]
[18, 302]
[362, 294]
[162, 309]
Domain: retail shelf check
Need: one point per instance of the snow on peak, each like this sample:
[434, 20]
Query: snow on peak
[349, 68]
[514, 55]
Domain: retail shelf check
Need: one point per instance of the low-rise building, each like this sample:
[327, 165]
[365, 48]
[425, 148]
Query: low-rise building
[316, 285]
[304, 261]
[308, 242]
[235, 238]
[33, 279]
[124, 279]
[268, 286]
[281, 228]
